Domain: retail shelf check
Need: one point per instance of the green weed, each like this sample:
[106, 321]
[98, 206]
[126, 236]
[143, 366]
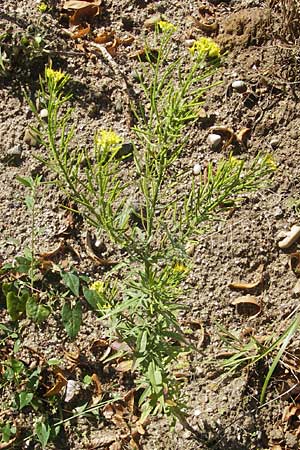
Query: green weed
[139, 300]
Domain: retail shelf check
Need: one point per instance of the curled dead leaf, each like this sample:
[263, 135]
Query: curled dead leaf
[226, 132]
[240, 285]
[97, 383]
[296, 289]
[79, 4]
[81, 32]
[61, 382]
[104, 36]
[207, 27]
[129, 399]
[108, 411]
[51, 253]
[247, 305]
[291, 411]
[243, 135]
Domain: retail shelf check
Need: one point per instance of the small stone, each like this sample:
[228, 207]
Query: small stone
[214, 140]
[294, 134]
[274, 142]
[14, 155]
[278, 212]
[197, 169]
[239, 86]
[30, 137]
[152, 21]
[44, 113]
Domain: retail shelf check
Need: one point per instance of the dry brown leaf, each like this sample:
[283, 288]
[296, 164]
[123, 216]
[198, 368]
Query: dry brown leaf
[276, 447]
[247, 305]
[241, 285]
[99, 343]
[88, 11]
[104, 37]
[79, 4]
[207, 27]
[81, 32]
[133, 444]
[51, 253]
[119, 421]
[243, 135]
[226, 132]
[290, 411]
[108, 411]
[97, 384]
[61, 382]
[129, 399]
[296, 288]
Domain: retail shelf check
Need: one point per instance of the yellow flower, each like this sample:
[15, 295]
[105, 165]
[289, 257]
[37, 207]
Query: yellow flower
[180, 268]
[205, 47]
[108, 139]
[97, 286]
[165, 26]
[269, 160]
[55, 75]
[42, 7]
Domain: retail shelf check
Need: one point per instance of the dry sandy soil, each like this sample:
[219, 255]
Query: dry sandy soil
[260, 50]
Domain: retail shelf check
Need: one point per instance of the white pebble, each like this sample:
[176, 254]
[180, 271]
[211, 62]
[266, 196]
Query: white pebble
[239, 86]
[43, 113]
[196, 169]
[214, 140]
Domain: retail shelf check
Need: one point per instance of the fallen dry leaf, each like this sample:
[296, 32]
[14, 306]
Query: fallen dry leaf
[79, 4]
[247, 305]
[241, 285]
[104, 37]
[97, 384]
[144, 55]
[296, 288]
[72, 389]
[290, 411]
[61, 382]
[79, 14]
[108, 411]
[129, 399]
[51, 253]
[243, 135]
[81, 32]
[226, 132]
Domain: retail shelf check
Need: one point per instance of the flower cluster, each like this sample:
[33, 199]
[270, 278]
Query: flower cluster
[97, 286]
[165, 26]
[54, 75]
[108, 139]
[205, 47]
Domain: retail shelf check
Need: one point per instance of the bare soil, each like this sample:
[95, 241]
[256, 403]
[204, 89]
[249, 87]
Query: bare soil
[226, 413]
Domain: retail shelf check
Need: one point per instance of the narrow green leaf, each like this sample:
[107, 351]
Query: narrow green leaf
[71, 281]
[71, 317]
[26, 181]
